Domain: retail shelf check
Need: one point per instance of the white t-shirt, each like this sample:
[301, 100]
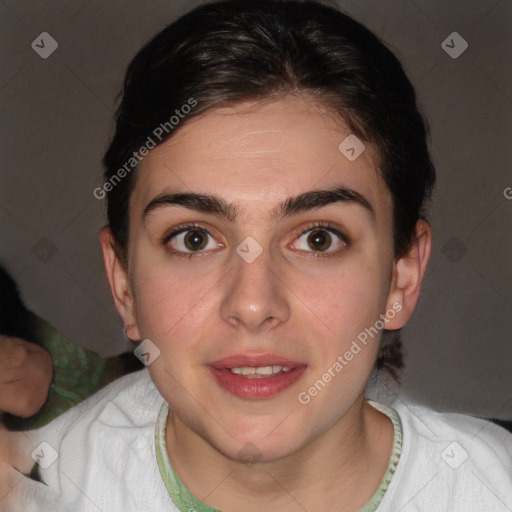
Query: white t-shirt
[101, 456]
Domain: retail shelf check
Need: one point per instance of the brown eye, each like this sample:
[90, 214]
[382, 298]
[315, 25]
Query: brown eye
[190, 239]
[320, 239]
[195, 240]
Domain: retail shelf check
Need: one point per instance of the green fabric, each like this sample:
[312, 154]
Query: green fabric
[78, 373]
[186, 501]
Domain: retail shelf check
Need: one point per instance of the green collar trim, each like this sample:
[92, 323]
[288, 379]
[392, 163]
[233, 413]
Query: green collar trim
[180, 495]
[186, 501]
[396, 450]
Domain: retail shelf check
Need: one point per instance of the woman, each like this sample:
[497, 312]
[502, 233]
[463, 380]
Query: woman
[266, 188]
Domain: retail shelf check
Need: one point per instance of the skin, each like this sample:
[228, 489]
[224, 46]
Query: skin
[13, 448]
[289, 301]
[26, 372]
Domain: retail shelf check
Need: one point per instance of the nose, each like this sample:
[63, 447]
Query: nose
[255, 297]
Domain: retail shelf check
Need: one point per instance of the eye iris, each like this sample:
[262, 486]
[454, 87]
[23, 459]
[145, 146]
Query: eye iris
[320, 239]
[195, 240]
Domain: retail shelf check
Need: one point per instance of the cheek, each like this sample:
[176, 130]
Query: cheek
[348, 301]
[168, 301]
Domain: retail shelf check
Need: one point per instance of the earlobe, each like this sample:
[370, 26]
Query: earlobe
[120, 288]
[408, 274]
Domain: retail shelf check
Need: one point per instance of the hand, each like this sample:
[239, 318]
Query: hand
[13, 352]
[26, 372]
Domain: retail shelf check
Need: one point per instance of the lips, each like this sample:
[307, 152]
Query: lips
[256, 377]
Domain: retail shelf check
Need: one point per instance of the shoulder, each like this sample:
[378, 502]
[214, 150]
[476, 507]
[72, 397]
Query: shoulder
[133, 394]
[103, 451]
[428, 427]
[451, 461]
[103, 425]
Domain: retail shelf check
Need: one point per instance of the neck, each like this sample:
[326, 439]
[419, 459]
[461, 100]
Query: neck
[352, 454]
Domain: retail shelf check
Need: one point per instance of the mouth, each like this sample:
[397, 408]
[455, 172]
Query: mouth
[261, 372]
[256, 377]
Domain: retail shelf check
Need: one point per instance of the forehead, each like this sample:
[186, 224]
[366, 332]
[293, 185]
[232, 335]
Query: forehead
[256, 154]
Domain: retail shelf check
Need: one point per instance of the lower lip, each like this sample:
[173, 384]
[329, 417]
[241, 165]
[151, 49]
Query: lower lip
[258, 388]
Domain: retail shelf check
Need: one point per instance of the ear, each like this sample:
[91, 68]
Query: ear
[408, 274]
[120, 288]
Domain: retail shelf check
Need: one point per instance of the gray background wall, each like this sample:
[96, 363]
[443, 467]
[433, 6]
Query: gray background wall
[56, 121]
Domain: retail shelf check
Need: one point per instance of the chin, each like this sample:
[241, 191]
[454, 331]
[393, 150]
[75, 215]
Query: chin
[251, 453]
[251, 448]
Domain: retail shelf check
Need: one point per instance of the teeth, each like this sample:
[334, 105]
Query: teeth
[255, 373]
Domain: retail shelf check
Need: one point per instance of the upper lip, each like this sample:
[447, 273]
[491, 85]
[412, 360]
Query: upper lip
[253, 361]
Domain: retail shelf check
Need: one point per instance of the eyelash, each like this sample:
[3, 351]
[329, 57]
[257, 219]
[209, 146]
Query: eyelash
[321, 225]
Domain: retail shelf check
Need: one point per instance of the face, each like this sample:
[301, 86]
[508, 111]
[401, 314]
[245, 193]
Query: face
[26, 372]
[278, 282]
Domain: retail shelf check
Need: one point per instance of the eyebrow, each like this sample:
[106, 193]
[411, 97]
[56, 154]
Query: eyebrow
[307, 201]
